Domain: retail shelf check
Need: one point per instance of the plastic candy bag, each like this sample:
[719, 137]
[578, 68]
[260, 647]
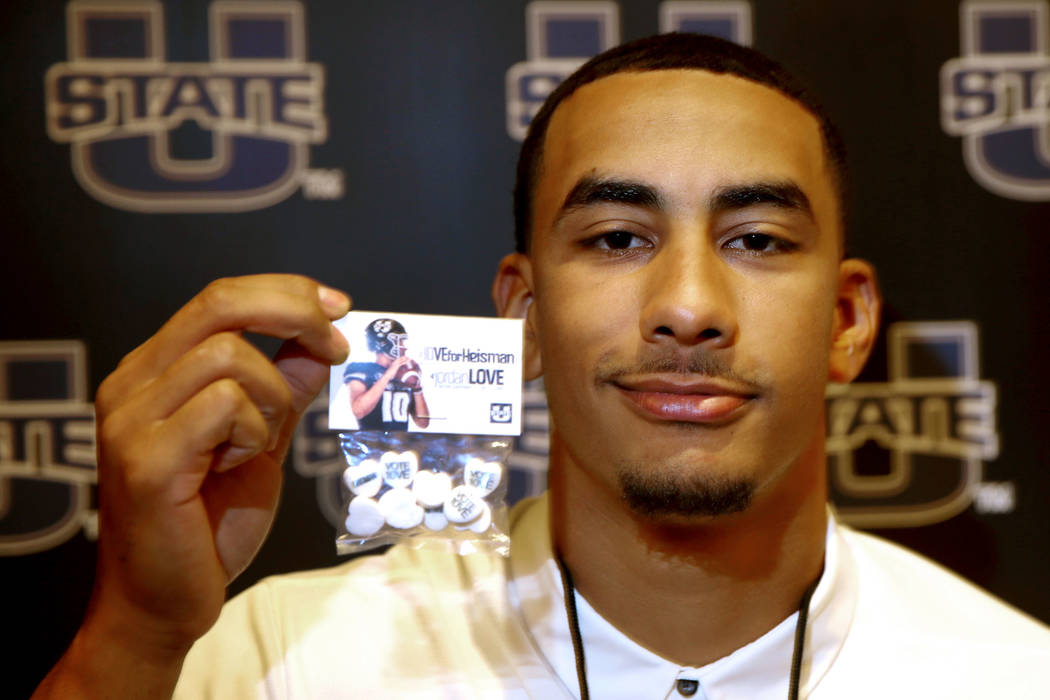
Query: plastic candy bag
[427, 490]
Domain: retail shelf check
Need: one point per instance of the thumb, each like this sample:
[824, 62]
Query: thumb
[305, 375]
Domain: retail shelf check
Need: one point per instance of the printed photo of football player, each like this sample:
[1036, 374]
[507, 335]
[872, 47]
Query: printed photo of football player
[386, 392]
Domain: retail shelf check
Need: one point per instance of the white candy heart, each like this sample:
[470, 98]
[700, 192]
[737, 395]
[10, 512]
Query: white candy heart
[480, 523]
[364, 479]
[399, 469]
[396, 499]
[431, 488]
[435, 520]
[399, 508]
[364, 517]
[484, 522]
[404, 518]
[463, 505]
[482, 477]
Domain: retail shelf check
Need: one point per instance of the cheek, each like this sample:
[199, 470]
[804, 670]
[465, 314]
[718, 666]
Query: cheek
[578, 320]
[795, 324]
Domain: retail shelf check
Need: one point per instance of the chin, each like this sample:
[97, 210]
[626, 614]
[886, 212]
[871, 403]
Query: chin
[664, 494]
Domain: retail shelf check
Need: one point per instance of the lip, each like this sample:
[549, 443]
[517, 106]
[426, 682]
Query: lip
[700, 400]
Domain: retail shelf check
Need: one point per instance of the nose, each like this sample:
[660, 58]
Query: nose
[689, 299]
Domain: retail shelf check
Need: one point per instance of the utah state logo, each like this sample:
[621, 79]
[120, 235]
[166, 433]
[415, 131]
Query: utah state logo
[997, 97]
[255, 107]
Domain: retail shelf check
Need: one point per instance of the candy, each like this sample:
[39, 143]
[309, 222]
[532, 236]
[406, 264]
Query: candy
[364, 517]
[396, 499]
[483, 522]
[404, 518]
[399, 469]
[463, 505]
[399, 508]
[482, 477]
[432, 488]
[480, 523]
[435, 520]
[409, 487]
[365, 479]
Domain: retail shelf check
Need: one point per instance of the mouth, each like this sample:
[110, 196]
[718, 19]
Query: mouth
[685, 399]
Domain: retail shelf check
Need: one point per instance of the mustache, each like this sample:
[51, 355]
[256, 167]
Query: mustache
[698, 361]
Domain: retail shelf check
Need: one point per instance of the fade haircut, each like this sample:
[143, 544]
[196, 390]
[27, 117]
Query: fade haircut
[669, 52]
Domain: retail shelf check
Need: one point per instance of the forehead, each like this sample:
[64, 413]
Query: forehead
[686, 131]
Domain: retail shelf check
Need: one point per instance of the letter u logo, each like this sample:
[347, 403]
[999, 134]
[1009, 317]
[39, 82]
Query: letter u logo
[119, 102]
[997, 94]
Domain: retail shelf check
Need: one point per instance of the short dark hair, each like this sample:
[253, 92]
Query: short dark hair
[668, 52]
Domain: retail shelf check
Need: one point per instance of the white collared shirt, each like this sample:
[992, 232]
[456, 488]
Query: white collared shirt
[427, 624]
[620, 668]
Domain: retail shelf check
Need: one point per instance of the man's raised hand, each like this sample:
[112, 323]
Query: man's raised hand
[193, 427]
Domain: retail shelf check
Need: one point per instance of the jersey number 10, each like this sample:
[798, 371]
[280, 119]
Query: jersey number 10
[395, 406]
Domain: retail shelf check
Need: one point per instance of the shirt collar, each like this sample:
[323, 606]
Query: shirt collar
[619, 667]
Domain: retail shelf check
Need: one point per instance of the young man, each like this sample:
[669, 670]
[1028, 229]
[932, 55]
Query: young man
[681, 272]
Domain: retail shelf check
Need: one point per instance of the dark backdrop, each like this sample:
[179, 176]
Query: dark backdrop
[396, 186]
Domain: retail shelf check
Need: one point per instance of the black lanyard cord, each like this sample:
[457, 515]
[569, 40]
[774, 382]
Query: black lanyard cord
[574, 628]
[800, 640]
[577, 638]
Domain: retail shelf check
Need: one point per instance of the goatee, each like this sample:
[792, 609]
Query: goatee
[661, 495]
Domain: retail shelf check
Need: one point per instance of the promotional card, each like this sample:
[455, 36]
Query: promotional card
[430, 374]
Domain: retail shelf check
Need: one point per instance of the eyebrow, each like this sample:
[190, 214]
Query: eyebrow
[784, 195]
[591, 190]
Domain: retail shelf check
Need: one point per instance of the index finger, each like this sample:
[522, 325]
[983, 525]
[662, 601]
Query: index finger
[282, 306]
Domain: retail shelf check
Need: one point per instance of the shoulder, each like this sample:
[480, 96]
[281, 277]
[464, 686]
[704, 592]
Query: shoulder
[933, 632]
[930, 594]
[318, 633]
[359, 370]
[316, 629]
[364, 591]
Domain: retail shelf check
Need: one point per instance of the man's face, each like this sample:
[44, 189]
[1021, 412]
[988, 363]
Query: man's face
[684, 264]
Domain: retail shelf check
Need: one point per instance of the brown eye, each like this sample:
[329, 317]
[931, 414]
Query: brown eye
[618, 240]
[617, 243]
[761, 243]
[757, 241]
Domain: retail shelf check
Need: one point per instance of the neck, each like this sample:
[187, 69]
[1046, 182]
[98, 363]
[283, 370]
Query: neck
[691, 592]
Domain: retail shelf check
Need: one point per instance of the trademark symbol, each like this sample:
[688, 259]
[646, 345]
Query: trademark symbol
[89, 521]
[320, 183]
[995, 497]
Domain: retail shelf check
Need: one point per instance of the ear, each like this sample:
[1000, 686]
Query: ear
[857, 313]
[512, 295]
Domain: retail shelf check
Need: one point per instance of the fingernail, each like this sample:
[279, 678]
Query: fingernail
[334, 302]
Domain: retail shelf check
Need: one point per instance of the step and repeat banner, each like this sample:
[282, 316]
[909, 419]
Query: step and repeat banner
[151, 146]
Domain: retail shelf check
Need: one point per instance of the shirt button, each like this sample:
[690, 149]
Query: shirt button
[687, 687]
